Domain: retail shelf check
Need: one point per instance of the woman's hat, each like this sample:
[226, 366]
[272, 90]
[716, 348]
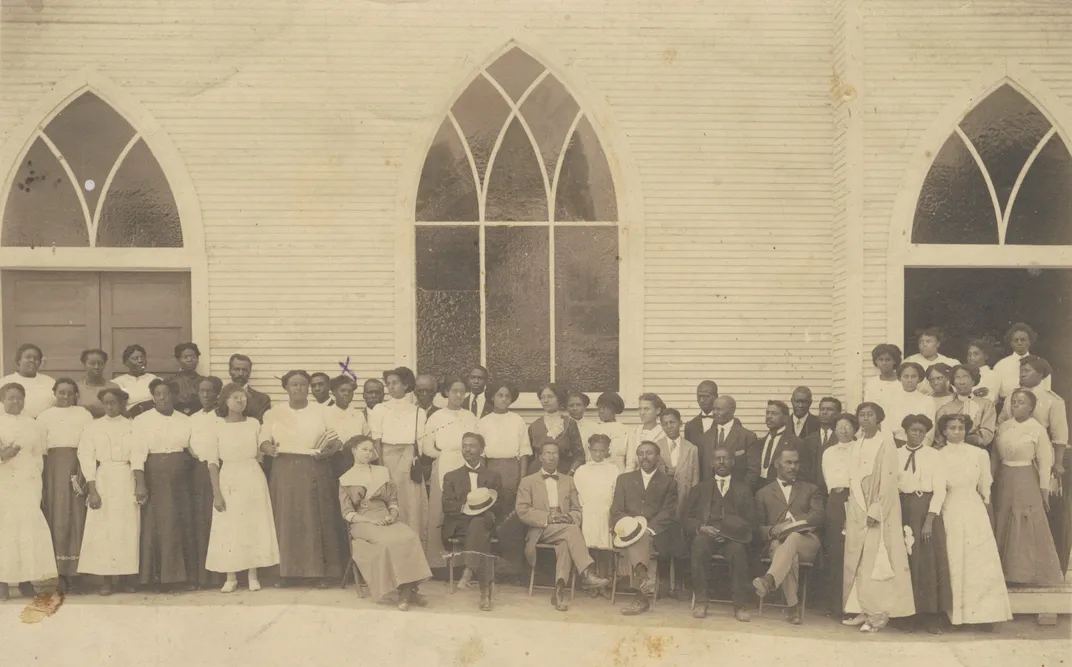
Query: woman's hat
[735, 529]
[629, 530]
[479, 501]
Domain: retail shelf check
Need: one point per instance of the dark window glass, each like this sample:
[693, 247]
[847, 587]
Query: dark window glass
[515, 71]
[585, 187]
[1042, 211]
[1004, 128]
[549, 112]
[448, 299]
[586, 307]
[481, 112]
[139, 210]
[516, 190]
[518, 307]
[90, 135]
[42, 206]
[446, 192]
[954, 204]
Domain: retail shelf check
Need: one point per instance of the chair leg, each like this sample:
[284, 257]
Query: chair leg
[614, 576]
[803, 592]
[572, 583]
[346, 574]
[532, 578]
[655, 593]
[450, 572]
[693, 605]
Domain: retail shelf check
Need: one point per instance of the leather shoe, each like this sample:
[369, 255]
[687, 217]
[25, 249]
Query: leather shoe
[639, 606]
[559, 598]
[794, 615]
[742, 615]
[700, 612]
[589, 580]
[485, 596]
[763, 585]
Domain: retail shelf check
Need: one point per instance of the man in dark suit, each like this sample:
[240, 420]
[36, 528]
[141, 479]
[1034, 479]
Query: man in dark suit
[239, 367]
[729, 430]
[781, 506]
[459, 520]
[477, 402]
[700, 429]
[652, 494]
[426, 388]
[804, 422]
[779, 436]
[813, 446]
[547, 503]
[709, 505]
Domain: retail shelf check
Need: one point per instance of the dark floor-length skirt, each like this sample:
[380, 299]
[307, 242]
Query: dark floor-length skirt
[1026, 547]
[64, 510]
[305, 502]
[202, 496]
[1060, 515]
[928, 562]
[168, 552]
[834, 551]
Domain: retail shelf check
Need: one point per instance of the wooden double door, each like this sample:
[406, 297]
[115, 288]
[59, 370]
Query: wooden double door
[67, 312]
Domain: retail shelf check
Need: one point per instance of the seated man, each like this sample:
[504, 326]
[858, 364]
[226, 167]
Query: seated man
[720, 518]
[643, 515]
[472, 524]
[547, 503]
[790, 512]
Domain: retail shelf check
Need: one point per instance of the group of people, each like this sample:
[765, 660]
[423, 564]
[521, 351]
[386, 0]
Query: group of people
[190, 482]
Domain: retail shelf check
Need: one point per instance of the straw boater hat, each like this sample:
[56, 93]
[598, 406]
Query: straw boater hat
[479, 501]
[628, 530]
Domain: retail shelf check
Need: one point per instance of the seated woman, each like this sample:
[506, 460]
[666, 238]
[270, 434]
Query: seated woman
[1023, 457]
[388, 554]
[966, 381]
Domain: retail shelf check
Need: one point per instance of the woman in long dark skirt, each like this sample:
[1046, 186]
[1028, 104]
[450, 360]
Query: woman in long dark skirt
[65, 510]
[921, 479]
[168, 554]
[835, 465]
[202, 440]
[304, 486]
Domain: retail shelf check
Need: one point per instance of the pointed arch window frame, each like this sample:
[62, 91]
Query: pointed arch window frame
[191, 257]
[902, 253]
[629, 200]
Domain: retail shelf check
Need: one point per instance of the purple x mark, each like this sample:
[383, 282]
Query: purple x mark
[346, 369]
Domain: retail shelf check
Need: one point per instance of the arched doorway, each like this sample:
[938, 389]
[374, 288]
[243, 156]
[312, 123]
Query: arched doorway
[97, 248]
[989, 241]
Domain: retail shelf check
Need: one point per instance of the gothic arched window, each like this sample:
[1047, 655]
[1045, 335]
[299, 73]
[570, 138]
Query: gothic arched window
[1004, 176]
[89, 180]
[517, 236]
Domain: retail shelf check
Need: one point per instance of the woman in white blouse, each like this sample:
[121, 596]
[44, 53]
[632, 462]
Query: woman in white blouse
[442, 441]
[112, 462]
[507, 443]
[136, 383]
[884, 387]
[64, 509]
[396, 426]
[168, 548]
[835, 469]
[908, 401]
[1020, 337]
[38, 386]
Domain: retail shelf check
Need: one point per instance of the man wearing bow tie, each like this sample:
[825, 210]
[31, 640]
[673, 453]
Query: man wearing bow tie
[699, 429]
[547, 503]
[779, 436]
[728, 431]
[813, 446]
[780, 504]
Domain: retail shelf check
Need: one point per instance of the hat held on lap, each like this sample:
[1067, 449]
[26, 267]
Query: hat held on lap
[629, 530]
[735, 529]
[479, 501]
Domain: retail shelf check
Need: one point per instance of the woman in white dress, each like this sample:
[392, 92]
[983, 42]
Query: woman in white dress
[112, 462]
[38, 386]
[243, 526]
[507, 438]
[884, 387]
[595, 482]
[26, 553]
[929, 341]
[65, 510]
[978, 582]
[136, 383]
[908, 401]
[396, 426]
[442, 441]
[608, 406]
[1020, 337]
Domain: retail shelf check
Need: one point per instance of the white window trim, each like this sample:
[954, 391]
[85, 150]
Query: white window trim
[630, 220]
[191, 258]
[903, 254]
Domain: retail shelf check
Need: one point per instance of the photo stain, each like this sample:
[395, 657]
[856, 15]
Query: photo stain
[43, 606]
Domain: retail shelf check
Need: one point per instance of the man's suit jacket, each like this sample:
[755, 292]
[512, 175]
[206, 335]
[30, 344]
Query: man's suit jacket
[657, 504]
[812, 448]
[745, 447]
[686, 473]
[257, 404]
[811, 425]
[695, 434]
[489, 405]
[456, 489]
[805, 503]
[786, 439]
[707, 507]
[534, 509]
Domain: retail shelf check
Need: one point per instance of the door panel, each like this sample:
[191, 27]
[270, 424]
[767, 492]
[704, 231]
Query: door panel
[151, 309]
[59, 312]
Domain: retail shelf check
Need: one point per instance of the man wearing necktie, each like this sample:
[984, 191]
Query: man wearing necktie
[547, 503]
[477, 401]
[804, 422]
[779, 436]
[813, 446]
[728, 431]
[709, 505]
[780, 505]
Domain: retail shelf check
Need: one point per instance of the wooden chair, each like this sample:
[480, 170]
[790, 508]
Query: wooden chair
[532, 572]
[655, 595]
[805, 571]
[455, 542]
[351, 566]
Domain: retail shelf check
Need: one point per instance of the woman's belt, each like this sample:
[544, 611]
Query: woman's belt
[1017, 464]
